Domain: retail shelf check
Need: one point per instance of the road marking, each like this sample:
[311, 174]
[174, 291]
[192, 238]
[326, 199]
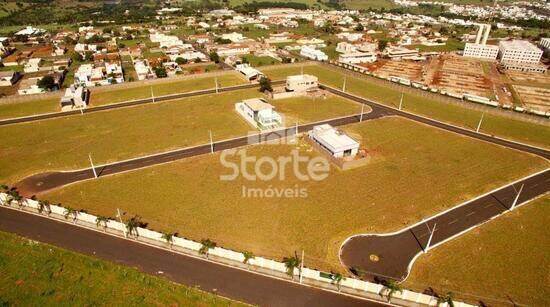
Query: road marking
[471, 213]
[489, 205]
[453, 221]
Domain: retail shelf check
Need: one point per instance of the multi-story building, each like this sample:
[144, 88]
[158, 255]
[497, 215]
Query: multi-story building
[487, 52]
[545, 42]
[518, 51]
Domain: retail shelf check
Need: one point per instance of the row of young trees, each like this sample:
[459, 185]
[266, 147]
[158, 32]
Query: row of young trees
[291, 263]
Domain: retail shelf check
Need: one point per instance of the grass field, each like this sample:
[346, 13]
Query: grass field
[452, 113]
[256, 61]
[451, 45]
[188, 196]
[115, 135]
[108, 96]
[36, 274]
[511, 263]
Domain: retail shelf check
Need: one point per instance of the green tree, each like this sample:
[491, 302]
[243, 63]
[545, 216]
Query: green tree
[447, 298]
[390, 288]
[291, 263]
[47, 82]
[70, 212]
[247, 256]
[160, 72]
[44, 206]
[206, 246]
[214, 57]
[382, 44]
[132, 226]
[337, 279]
[169, 238]
[265, 84]
[359, 27]
[181, 61]
[101, 221]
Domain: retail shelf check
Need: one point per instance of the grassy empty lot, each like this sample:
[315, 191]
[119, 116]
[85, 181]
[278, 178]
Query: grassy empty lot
[510, 261]
[36, 274]
[38, 106]
[452, 113]
[64, 143]
[188, 196]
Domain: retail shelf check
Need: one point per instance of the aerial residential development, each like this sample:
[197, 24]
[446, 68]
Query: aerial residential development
[274, 153]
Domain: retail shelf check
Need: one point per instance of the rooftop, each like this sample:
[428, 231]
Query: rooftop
[519, 45]
[257, 104]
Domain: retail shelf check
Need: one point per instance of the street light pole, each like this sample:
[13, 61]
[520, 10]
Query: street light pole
[401, 102]
[92, 163]
[152, 95]
[216, 80]
[344, 85]
[211, 142]
[430, 238]
[362, 108]
[517, 198]
[480, 121]
[301, 266]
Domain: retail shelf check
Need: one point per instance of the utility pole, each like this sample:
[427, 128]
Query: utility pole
[216, 80]
[480, 121]
[430, 238]
[211, 142]
[362, 108]
[344, 85]
[92, 163]
[401, 102]
[301, 266]
[152, 95]
[296, 129]
[517, 198]
[81, 111]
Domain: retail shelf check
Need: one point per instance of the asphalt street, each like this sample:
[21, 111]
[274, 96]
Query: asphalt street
[229, 282]
[393, 253]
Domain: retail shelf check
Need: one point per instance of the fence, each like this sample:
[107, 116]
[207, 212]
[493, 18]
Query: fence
[261, 265]
[358, 71]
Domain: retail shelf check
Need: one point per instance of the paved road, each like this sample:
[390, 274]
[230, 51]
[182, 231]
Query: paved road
[126, 104]
[396, 251]
[522, 147]
[226, 281]
[42, 182]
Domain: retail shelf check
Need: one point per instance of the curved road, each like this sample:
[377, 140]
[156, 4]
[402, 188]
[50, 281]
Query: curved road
[396, 252]
[209, 276]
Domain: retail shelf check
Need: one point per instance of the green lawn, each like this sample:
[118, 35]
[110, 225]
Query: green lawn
[64, 143]
[256, 61]
[108, 95]
[451, 45]
[510, 261]
[452, 113]
[188, 196]
[36, 274]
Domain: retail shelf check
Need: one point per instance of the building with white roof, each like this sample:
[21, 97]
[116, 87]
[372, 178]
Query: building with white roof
[30, 31]
[301, 83]
[259, 113]
[76, 97]
[335, 142]
[248, 71]
[357, 57]
[480, 49]
[313, 54]
[519, 52]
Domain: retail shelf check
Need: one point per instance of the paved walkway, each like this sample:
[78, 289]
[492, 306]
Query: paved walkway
[226, 281]
[392, 255]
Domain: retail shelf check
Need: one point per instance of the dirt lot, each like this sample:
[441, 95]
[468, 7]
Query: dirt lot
[402, 69]
[528, 77]
[459, 75]
[534, 97]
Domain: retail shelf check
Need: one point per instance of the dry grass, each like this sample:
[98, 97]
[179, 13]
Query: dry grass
[415, 171]
[501, 262]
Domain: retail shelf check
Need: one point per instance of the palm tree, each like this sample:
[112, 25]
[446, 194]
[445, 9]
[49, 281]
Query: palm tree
[44, 205]
[448, 298]
[70, 212]
[337, 279]
[207, 244]
[169, 238]
[247, 256]
[132, 226]
[391, 286]
[99, 220]
[291, 263]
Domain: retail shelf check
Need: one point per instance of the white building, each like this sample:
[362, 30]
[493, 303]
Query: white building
[480, 49]
[336, 142]
[234, 37]
[75, 97]
[32, 65]
[301, 83]
[248, 71]
[313, 54]
[30, 86]
[357, 57]
[545, 43]
[8, 78]
[143, 70]
[519, 52]
[345, 47]
[259, 113]
[486, 52]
